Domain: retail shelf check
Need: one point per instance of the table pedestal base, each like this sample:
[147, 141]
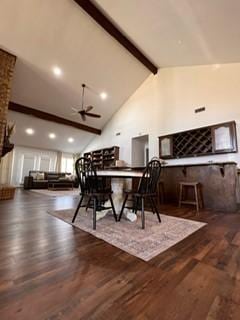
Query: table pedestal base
[118, 185]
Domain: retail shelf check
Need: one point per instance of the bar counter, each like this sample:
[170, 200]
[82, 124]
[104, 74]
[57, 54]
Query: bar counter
[219, 182]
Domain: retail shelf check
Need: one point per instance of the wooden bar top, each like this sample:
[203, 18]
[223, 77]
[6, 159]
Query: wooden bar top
[199, 164]
[178, 165]
[123, 173]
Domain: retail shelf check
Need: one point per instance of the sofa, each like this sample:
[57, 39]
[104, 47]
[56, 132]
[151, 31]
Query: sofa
[42, 180]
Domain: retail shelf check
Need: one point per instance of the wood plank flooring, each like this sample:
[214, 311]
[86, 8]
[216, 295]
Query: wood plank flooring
[50, 270]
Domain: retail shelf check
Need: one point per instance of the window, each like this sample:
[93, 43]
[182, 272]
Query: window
[67, 164]
[45, 163]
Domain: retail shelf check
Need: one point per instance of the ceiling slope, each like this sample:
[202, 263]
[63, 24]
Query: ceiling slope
[96, 14]
[44, 34]
[180, 33]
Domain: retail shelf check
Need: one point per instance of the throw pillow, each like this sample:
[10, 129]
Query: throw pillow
[40, 176]
[69, 176]
[34, 175]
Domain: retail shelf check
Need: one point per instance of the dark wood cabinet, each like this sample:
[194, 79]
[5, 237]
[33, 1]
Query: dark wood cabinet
[216, 139]
[104, 158]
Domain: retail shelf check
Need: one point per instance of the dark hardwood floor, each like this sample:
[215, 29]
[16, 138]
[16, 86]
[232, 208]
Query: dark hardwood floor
[51, 270]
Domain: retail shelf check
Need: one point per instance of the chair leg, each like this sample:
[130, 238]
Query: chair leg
[137, 205]
[94, 213]
[143, 214]
[113, 208]
[196, 197]
[156, 209]
[123, 206]
[88, 203]
[134, 210]
[158, 194]
[200, 196]
[152, 205]
[180, 196]
[78, 207]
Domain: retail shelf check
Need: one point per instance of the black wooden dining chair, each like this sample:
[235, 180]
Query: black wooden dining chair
[147, 189]
[92, 190]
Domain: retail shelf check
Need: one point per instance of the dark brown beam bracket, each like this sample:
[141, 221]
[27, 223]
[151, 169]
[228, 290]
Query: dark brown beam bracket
[108, 26]
[51, 117]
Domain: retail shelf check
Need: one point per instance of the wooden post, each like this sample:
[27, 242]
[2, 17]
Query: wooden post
[7, 64]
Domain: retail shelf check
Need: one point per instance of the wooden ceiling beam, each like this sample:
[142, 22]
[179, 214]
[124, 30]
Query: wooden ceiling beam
[108, 26]
[51, 117]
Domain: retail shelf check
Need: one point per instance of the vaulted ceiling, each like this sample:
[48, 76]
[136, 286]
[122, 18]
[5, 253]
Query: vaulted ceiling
[44, 34]
[180, 32]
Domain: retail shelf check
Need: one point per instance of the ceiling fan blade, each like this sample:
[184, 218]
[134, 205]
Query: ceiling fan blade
[73, 113]
[83, 116]
[75, 110]
[93, 115]
[88, 108]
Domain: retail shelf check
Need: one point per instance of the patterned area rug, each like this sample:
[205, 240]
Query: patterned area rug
[57, 193]
[128, 236]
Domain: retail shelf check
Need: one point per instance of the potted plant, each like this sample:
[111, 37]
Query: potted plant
[7, 145]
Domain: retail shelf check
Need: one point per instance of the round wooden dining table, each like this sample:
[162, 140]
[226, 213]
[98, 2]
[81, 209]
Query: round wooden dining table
[120, 180]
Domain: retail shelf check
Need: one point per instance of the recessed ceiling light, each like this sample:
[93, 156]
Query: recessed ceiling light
[29, 131]
[71, 140]
[103, 95]
[52, 135]
[57, 71]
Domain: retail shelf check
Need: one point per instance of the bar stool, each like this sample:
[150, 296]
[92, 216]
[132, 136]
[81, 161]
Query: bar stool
[198, 201]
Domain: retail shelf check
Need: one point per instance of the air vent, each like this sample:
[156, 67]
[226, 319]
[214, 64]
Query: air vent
[200, 109]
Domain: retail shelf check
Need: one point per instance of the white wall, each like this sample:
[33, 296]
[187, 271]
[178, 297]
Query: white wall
[36, 158]
[165, 104]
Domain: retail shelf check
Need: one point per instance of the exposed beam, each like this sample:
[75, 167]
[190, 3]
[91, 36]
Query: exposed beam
[50, 117]
[108, 26]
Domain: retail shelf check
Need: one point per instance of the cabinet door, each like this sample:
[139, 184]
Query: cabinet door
[224, 138]
[166, 147]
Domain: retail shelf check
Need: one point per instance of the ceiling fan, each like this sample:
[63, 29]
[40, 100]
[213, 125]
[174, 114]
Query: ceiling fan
[83, 112]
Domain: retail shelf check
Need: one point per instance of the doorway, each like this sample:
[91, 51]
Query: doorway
[140, 151]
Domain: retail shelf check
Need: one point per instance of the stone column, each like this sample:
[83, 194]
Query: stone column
[7, 63]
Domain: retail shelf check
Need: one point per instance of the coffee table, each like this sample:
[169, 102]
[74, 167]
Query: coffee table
[60, 185]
